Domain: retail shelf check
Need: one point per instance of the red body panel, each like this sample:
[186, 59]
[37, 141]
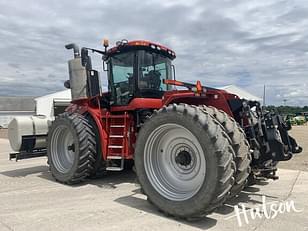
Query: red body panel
[139, 103]
[140, 43]
[216, 98]
[106, 119]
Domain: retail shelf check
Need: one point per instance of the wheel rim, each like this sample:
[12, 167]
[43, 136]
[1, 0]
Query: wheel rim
[174, 162]
[62, 149]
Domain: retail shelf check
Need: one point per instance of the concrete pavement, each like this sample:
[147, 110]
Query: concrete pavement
[31, 200]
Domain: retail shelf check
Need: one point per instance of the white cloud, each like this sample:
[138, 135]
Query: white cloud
[247, 43]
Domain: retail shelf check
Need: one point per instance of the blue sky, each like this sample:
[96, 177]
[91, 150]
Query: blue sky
[246, 43]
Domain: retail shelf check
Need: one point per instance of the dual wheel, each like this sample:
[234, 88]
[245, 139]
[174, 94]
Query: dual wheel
[190, 159]
[72, 148]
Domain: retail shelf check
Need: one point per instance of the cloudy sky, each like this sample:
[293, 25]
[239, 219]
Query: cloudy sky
[221, 42]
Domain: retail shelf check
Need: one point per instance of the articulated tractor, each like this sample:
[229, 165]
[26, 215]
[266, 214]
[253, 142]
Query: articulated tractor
[192, 146]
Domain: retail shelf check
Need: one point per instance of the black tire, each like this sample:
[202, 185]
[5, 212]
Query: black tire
[240, 146]
[218, 154]
[99, 166]
[82, 147]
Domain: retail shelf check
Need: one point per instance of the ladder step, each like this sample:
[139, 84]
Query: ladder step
[117, 126]
[117, 117]
[115, 146]
[114, 157]
[116, 136]
[114, 168]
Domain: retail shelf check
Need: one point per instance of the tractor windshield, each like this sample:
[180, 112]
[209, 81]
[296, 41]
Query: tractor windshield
[139, 73]
[153, 68]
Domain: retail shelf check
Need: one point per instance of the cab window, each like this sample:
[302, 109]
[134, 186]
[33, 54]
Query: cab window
[122, 77]
[153, 69]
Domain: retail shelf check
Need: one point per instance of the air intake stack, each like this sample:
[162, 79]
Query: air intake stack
[77, 75]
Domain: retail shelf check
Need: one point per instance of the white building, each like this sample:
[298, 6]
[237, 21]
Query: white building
[45, 105]
[243, 94]
[12, 106]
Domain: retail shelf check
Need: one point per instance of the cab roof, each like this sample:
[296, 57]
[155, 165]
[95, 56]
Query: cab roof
[125, 45]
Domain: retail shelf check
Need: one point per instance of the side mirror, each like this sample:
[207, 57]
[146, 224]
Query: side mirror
[86, 59]
[173, 71]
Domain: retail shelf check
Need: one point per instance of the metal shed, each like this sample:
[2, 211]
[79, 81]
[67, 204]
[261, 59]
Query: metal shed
[51, 104]
[12, 106]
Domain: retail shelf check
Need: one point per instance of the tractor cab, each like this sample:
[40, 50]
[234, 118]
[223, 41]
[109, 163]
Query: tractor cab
[138, 69]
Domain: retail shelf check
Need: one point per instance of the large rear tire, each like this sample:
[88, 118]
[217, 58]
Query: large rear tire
[240, 146]
[99, 166]
[71, 148]
[184, 161]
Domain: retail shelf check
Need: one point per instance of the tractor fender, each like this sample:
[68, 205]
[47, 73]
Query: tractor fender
[215, 98]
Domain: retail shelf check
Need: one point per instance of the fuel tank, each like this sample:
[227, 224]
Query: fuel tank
[28, 133]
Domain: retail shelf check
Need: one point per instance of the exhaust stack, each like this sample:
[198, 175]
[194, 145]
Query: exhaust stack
[77, 75]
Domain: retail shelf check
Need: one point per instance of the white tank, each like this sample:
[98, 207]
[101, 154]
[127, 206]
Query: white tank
[28, 132]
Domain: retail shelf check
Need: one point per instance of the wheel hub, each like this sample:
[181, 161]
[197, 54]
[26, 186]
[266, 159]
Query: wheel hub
[183, 158]
[174, 162]
[62, 149]
[71, 147]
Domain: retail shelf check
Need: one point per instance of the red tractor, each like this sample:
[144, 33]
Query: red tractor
[192, 149]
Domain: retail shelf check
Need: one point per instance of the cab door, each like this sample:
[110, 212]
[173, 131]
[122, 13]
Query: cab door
[122, 78]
